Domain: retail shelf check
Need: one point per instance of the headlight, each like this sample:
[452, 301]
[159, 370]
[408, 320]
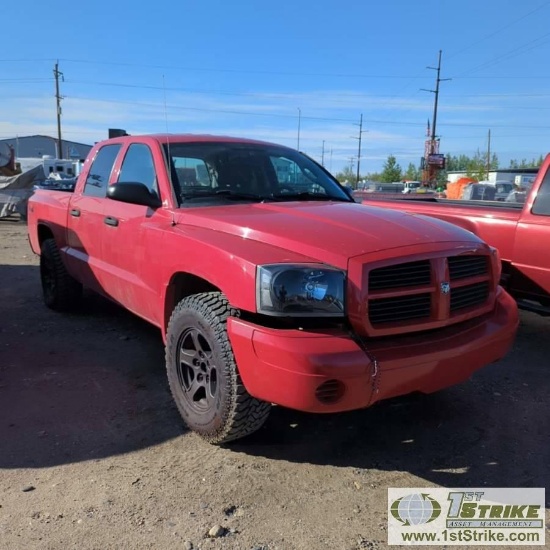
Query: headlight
[304, 290]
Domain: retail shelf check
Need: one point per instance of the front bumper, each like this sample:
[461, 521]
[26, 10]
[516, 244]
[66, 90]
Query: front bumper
[287, 367]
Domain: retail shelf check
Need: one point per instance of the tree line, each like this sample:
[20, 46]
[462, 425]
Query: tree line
[474, 167]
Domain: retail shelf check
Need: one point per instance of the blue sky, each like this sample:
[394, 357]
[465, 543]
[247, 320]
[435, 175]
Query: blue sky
[264, 69]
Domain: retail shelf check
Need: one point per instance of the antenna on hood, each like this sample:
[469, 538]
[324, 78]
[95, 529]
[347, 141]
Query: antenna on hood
[169, 159]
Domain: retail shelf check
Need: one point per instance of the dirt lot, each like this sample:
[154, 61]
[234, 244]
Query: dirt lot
[93, 453]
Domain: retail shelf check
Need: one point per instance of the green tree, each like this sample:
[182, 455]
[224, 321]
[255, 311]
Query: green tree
[374, 176]
[474, 166]
[413, 173]
[477, 166]
[457, 163]
[391, 171]
[533, 163]
[346, 174]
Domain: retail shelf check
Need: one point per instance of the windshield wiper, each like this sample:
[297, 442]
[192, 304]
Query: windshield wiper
[227, 194]
[306, 196]
[224, 194]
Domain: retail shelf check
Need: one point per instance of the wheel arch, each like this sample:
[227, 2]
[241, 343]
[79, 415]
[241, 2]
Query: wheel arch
[44, 232]
[181, 285]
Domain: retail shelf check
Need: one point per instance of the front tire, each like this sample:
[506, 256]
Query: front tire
[202, 373]
[60, 291]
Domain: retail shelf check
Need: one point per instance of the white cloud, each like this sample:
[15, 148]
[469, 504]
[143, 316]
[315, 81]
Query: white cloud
[392, 125]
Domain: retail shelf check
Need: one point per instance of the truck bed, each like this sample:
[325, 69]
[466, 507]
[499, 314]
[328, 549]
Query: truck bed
[474, 204]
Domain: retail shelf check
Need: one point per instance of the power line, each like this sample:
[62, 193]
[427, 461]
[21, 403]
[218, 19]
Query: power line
[223, 111]
[337, 98]
[494, 96]
[372, 121]
[239, 71]
[292, 116]
[24, 80]
[29, 60]
[508, 55]
[505, 77]
[500, 29]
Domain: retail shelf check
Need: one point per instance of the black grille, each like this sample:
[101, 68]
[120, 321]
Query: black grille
[461, 267]
[468, 296]
[402, 308]
[400, 276]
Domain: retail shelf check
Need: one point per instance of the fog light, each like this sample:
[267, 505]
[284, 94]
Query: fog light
[330, 391]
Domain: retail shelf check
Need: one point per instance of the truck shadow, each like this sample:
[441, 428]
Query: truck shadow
[492, 430]
[92, 384]
[76, 386]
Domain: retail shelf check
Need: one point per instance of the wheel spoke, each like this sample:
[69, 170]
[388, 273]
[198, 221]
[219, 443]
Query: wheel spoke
[197, 374]
[189, 353]
[197, 390]
[194, 369]
[197, 342]
[189, 357]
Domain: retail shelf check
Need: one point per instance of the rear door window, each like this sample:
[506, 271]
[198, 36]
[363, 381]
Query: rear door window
[100, 171]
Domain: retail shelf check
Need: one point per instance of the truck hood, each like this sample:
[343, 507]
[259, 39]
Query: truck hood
[330, 232]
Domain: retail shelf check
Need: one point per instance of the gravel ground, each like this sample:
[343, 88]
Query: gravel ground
[93, 454]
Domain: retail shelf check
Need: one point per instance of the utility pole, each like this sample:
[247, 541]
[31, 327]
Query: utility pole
[57, 73]
[351, 159]
[488, 154]
[432, 147]
[299, 121]
[436, 92]
[361, 132]
[323, 154]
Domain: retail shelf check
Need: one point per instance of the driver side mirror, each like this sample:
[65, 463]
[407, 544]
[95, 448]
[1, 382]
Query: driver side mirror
[133, 193]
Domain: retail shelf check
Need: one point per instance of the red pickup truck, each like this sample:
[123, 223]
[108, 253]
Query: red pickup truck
[268, 282]
[518, 227]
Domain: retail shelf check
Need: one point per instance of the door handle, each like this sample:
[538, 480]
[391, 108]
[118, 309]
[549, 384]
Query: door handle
[109, 220]
[75, 212]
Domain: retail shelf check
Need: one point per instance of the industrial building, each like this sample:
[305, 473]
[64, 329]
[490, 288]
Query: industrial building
[38, 146]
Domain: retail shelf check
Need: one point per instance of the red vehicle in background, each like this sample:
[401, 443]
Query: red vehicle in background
[268, 282]
[519, 227]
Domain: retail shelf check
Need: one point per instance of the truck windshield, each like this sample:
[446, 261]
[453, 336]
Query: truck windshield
[207, 172]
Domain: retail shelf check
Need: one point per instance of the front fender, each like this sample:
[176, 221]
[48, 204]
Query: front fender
[221, 261]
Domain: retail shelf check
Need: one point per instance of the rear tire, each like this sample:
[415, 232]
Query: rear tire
[60, 291]
[202, 373]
